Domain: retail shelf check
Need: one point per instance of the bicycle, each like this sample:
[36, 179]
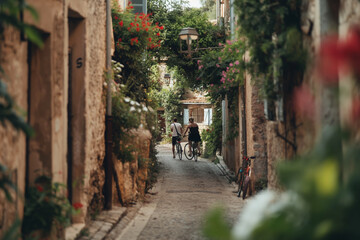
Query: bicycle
[195, 152]
[178, 148]
[244, 172]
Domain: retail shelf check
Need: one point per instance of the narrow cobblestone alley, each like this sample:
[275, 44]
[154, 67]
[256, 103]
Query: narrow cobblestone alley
[175, 209]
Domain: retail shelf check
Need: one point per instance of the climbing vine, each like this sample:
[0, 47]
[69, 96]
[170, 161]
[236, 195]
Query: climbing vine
[273, 39]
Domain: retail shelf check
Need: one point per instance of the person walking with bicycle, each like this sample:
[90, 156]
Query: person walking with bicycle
[176, 130]
[194, 135]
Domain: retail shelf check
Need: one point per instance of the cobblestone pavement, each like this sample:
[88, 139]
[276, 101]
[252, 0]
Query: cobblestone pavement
[175, 209]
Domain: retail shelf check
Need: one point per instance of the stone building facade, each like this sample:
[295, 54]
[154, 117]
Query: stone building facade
[271, 139]
[60, 86]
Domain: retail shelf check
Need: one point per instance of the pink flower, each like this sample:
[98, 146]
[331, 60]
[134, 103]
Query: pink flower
[219, 58]
[229, 42]
[217, 65]
[304, 102]
[231, 64]
[330, 60]
[237, 62]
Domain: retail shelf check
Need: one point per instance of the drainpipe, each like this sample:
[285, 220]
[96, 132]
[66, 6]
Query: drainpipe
[244, 115]
[108, 164]
[244, 119]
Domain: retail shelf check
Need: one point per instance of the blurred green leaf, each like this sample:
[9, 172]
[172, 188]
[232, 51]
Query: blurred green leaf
[215, 226]
[33, 35]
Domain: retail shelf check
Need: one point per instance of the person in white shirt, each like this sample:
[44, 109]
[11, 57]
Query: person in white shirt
[176, 130]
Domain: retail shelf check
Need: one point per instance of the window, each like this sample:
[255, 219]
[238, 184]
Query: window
[140, 6]
[207, 116]
[186, 116]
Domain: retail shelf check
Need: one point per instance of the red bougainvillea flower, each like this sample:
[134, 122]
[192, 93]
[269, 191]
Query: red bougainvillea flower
[161, 28]
[150, 39]
[121, 23]
[304, 102]
[77, 205]
[39, 188]
[330, 60]
[158, 34]
[137, 29]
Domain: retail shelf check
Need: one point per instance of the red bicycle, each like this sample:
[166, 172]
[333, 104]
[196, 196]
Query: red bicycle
[243, 177]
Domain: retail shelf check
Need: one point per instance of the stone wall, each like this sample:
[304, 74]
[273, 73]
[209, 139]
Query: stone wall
[130, 180]
[256, 131]
[42, 82]
[13, 55]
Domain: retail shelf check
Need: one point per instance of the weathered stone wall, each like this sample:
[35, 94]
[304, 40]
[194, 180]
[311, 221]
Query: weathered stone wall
[94, 100]
[308, 129]
[64, 24]
[275, 151]
[256, 131]
[13, 55]
[131, 177]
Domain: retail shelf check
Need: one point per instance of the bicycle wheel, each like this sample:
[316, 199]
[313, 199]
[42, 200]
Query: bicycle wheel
[187, 152]
[246, 186]
[195, 153]
[179, 150]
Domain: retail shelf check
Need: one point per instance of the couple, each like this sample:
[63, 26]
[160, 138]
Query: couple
[194, 135]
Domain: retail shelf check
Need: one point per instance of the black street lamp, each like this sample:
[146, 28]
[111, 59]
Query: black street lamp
[189, 35]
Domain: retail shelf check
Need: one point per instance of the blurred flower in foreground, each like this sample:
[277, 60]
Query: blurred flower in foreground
[339, 55]
[304, 102]
[330, 60]
[265, 204]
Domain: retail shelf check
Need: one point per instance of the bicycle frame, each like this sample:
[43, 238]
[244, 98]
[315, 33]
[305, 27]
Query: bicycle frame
[242, 172]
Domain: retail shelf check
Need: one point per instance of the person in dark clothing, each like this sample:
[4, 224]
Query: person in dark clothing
[194, 135]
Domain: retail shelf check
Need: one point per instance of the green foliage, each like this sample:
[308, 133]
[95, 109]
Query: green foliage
[137, 39]
[319, 201]
[10, 11]
[220, 74]
[9, 112]
[123, 124]
[45, 205]
[273, 38]
[5, 182]
[175, 17]
[170, 100]
[215, 227]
